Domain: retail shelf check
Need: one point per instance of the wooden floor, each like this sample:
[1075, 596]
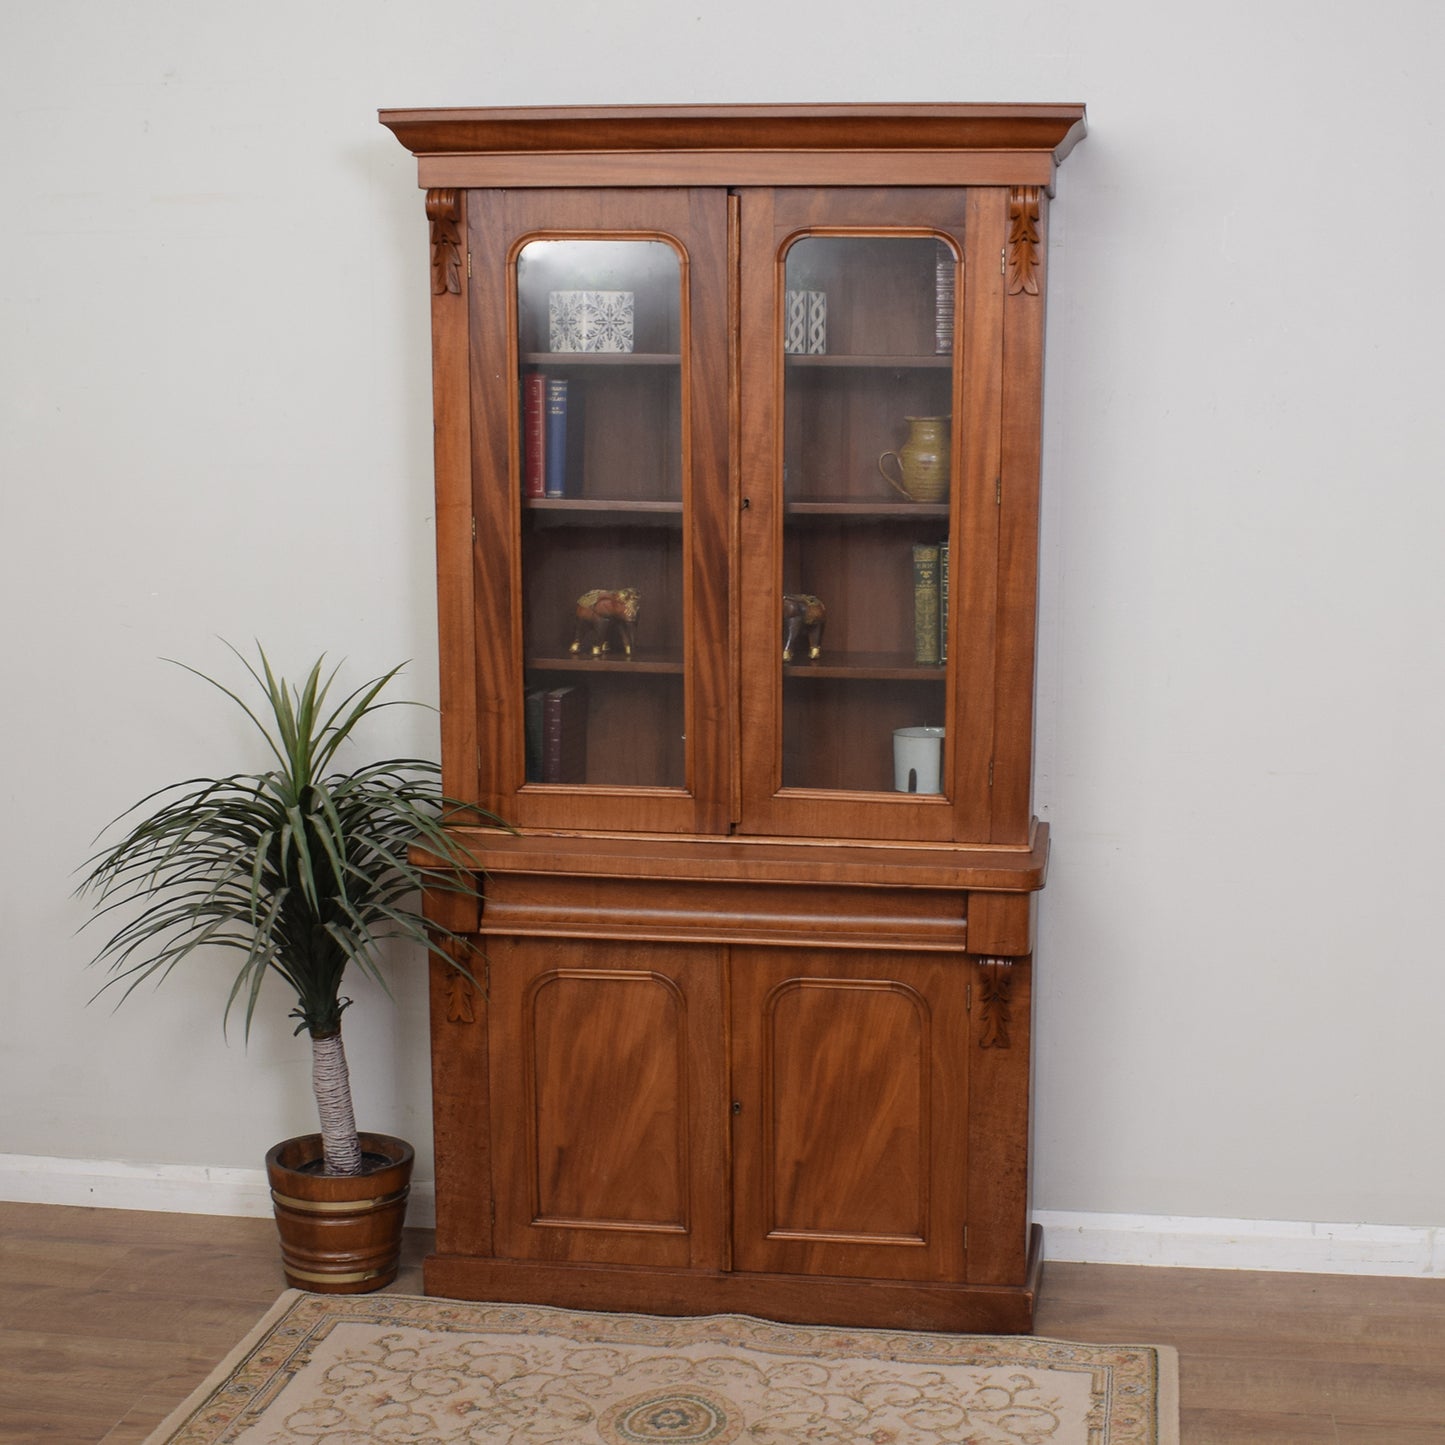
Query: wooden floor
[108, 1319]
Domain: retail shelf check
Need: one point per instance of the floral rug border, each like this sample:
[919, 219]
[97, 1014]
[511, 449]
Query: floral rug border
[257, 1371]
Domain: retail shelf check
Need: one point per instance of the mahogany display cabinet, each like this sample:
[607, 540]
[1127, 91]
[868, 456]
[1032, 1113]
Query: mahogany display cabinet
[737, 435]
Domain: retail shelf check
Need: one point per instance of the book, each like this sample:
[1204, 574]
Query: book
[944, 287]
[943, 601]
[534, 434]
[555, 439]
[564, 735]
[532, 723]
[925, 602]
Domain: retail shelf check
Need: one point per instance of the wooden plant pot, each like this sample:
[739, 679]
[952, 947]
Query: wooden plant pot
[340, 1234]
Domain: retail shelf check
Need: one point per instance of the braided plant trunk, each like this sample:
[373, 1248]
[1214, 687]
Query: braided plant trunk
[339, 1143]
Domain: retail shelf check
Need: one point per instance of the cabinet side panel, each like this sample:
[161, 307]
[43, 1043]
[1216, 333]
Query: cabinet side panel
[1023, 356]
[998, 1065]
[497, 624]
[452, 449]
[975, 584]
[459, 1111]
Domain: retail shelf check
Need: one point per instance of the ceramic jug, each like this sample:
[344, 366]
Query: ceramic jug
[922, 460]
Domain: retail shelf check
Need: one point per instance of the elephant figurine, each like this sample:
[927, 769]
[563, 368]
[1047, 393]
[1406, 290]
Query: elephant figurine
[803, 617]
[603, 614]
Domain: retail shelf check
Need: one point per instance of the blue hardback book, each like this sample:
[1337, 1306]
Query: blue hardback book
[555, 450]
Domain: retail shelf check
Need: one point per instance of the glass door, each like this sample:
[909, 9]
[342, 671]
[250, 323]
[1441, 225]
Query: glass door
[603, 589]
[866, 483]
[614, 482]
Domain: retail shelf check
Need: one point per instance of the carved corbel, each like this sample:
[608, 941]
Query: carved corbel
[1023, 241]
[466, 978]
[996, 989]
[444, 211]
[461, 1000]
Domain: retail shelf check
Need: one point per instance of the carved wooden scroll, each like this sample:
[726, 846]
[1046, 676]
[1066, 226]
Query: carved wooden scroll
[461, 1006]
[444, 211]
[1023, 240]
[996, 986]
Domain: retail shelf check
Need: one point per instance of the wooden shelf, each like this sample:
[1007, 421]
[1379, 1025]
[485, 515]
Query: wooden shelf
[872, 511]
[630, 507]
[929, 362]
[855, 666]
[556, 359]
[611, 664]
[865, 667]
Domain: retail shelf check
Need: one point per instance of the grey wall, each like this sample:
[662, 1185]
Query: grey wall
[214, 422]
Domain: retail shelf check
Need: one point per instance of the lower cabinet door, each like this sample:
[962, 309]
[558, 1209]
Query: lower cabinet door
[608, 1100]
[849, 1128]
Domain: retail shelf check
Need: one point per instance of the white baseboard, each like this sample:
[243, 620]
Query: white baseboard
[167, 1188]
[1184, 1242]
[1154, 1239]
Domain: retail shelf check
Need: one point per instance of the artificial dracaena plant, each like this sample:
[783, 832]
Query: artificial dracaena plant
[301, 869]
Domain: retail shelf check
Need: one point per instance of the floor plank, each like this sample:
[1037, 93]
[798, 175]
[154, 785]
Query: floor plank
[109, 1318]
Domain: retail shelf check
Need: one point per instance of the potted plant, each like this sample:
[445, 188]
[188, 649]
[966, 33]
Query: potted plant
[303, 871]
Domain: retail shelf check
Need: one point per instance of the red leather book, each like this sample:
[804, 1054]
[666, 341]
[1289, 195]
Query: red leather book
[534, 434]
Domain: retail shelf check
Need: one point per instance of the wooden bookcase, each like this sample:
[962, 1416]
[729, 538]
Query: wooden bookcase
[750, 1028]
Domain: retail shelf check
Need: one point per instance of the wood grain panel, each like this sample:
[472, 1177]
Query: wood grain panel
[849, 1095]
[827, 862]
[584, 906]
[605, 1057]
[724, 168]
[999, 1078]
[608, 1110]
[846, 1134]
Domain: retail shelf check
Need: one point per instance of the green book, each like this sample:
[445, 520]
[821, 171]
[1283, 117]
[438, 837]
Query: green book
[943, 602]
[925, 602]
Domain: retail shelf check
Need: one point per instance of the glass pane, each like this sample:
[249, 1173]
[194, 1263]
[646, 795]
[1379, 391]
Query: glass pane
[868, 392]
[603, 552]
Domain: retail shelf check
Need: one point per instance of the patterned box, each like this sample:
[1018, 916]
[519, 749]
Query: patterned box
[805, 323]
[590, 320]
[817, 323]
[795, 324]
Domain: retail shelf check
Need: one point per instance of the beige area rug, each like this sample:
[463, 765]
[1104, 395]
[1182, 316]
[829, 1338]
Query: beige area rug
[352, 1369]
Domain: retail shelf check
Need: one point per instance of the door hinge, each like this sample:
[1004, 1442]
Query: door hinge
[998, 491]
[492, 1211]
[968, 998]
[474, 529]
[965, 1239]
[1002, 261]
[990, 772]
[469, 265]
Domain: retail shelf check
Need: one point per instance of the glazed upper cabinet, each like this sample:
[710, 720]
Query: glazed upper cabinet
[704, 405]
[737, 437]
